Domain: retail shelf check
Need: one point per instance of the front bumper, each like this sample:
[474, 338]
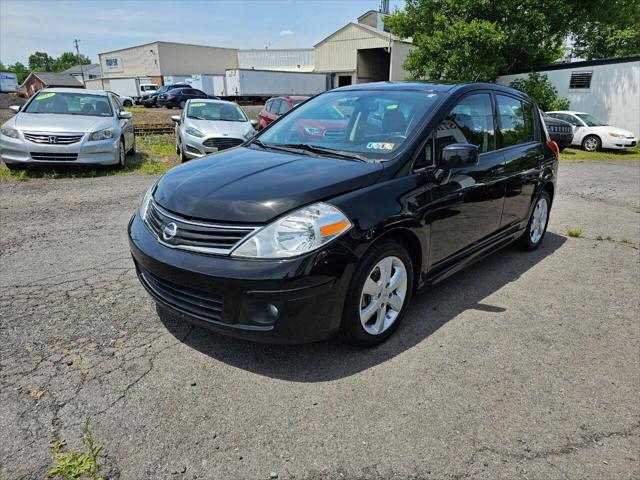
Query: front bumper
[308, 292]
[614, 143]
[195, 147]
[19, 151]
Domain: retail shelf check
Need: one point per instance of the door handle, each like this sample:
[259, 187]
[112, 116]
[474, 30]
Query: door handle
[498, 169]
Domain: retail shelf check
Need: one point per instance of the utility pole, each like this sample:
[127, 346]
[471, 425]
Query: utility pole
[76, 41]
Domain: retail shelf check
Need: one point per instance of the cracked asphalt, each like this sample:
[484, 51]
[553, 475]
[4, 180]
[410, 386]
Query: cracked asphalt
[525, 366]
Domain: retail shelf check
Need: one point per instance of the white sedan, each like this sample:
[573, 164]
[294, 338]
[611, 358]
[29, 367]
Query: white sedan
[208, 126]
[592, 134]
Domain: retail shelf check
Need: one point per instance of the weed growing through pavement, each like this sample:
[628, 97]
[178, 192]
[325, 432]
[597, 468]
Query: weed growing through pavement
[76, 465]
[575, 232]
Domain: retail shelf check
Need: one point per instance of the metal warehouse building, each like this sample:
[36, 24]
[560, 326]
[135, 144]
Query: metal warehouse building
[609, 89]
[293, 59]
[362, 52]
[158, 59]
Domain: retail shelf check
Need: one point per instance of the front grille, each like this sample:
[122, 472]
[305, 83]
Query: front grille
[178, 232]
[54, 157]
[53, 138]
[222, 143]
[559, 129]
[199, 303]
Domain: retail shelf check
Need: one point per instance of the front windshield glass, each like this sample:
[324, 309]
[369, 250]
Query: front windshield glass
[590, 120]
[372, 124]
[67, 103]
[226, 112]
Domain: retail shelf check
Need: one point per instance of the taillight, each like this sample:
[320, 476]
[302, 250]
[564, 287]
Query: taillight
[554, 148]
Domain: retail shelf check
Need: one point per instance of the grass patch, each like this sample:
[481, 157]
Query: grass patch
[577, 155]
[575, 232]
[155, 155]
[76, 465]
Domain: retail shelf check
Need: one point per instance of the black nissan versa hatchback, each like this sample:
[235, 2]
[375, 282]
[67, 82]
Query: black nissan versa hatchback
[331, 218]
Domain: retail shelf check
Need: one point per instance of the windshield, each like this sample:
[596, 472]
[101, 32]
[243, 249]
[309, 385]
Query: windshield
[147, 88]
[67, 103]
[373, 124]
[590, 120]
[226, 112]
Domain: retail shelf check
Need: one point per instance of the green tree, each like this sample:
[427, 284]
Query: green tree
[21, 71]
[541, 91]
[68, 60]
[40, 61]
[609, 32]
[470, 40]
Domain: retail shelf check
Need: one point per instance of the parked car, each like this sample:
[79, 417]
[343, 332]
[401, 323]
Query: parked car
[560, 131]
[124, 100]
[289, 242]
[150, 100]
[69, 126]
[592, 134]
[275, 107]
[177, 97]
[208, 126]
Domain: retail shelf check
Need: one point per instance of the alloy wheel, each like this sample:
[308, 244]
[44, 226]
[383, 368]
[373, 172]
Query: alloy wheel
[539, 220]
[591, 144]
[383, 295]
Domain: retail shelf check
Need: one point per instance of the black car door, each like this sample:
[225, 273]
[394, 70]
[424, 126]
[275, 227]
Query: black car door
[520, 139]
[467, 203]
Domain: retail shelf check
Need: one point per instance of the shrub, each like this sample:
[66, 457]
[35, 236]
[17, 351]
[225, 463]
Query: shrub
[541, 91]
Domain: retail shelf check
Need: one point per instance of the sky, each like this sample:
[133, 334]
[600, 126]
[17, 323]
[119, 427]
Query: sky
[102, 25]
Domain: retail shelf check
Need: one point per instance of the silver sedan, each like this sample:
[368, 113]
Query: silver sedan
[208, 126]
[68, 126]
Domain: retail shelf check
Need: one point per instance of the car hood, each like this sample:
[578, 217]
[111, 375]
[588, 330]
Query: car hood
[51, 122]
[254, 186]
[218, 128]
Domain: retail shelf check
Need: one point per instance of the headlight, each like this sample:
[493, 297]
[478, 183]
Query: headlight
[9, 132]
[105, 134]
[299, 232]
[319, 132]
[616, 135]
[146, 200]
[195, 132]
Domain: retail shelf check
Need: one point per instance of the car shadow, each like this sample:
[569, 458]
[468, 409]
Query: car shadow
[333, 359]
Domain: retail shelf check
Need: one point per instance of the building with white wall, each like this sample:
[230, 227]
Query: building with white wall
[609, 89]
[287, 60]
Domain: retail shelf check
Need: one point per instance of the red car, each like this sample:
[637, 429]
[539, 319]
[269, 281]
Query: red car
[275, 107]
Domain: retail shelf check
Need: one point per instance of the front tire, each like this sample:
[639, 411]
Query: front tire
[122, 155]
[537, 226]
[182, 104]
[127, 103]
[378, 295]
[591, 143]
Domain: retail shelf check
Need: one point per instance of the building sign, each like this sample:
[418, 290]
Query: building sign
[113, 64]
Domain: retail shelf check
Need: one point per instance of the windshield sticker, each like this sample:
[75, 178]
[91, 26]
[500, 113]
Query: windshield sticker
[44, 96]
[392, 107]
[200, 104]
[380, 146]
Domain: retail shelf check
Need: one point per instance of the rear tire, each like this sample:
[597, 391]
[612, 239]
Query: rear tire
[378, 295]
[127, 103]
[537, 226]
[591, 143]
[132, 150]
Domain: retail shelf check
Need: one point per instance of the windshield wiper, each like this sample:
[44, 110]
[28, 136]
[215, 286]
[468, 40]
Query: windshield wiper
[196, 118]
[326, 150]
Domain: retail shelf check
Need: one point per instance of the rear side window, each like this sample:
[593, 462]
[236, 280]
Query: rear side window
[275, 106]
[284, 107]
[267, 106]
[470, 121]
[516, 121]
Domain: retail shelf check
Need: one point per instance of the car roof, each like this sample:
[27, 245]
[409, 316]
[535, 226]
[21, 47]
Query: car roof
[86, 91]
[572, 112]
[431, 86]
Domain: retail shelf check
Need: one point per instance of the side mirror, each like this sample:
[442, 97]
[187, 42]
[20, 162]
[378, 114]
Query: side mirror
[175, 118]
[15, 108]
[254, 123]
[459, 155]
[124, 115]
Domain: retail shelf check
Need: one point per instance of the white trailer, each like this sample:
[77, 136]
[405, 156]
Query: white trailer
[9, 82]
[250, 84]
[133, 87]
[210, 84]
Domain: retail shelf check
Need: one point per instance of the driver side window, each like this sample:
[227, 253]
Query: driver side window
[470, 121]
